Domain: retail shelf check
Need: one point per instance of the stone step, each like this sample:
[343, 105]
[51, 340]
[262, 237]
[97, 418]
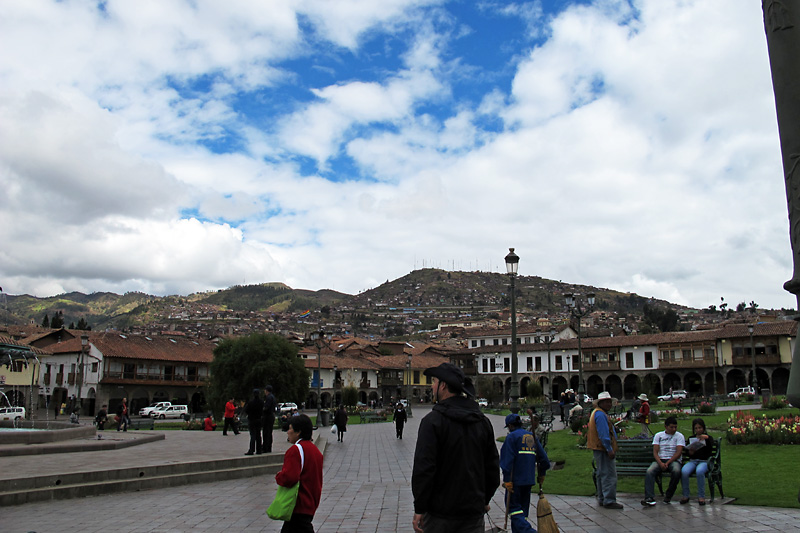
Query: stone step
[80, 484]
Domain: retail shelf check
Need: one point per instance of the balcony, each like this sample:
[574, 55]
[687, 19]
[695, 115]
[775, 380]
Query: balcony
[60, 379]
[151, 379]
[771, 359]
[601, 365]
[687, 363]
[46, 379]
[391, 382]
[365, 384]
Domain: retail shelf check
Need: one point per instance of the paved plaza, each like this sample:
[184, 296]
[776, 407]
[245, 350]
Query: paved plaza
[367, 488]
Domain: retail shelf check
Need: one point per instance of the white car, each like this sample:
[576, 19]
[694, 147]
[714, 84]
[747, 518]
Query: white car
[741, 391]
[145, 411]
[483, 402]
[682, 394]
[12, 413]
[171, 411]
[287, 407]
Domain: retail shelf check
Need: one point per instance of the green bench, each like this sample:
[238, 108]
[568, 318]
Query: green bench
[142, 423]
[368, 417]
[634, 457]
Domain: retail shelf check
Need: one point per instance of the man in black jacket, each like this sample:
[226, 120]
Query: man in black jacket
[456, 465]
[254, 409]
[268, 418]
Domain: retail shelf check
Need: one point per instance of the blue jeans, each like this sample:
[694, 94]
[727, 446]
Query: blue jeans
[606, 477]
[674, 470]
[700, 468]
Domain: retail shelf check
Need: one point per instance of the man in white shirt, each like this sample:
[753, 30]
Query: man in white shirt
[667, 449]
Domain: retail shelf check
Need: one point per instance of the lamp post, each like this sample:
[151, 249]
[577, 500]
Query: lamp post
[549, 340]
[753, 381]
[335, 371]
[512, 266]
[578, 312]
[408, 385]
[318, 338]
[84, 347]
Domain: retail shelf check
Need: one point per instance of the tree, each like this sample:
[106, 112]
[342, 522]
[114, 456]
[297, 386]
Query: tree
[534, 389]
[246, 363]
[660, 319]
[46, 321]
[58, 320]
[741, 306]
[83, 325]
[350, 396]
[753, 307]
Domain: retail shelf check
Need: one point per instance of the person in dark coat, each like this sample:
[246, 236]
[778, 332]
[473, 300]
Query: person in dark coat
[254, 410]
[268, 418]
[340, 419]
[400, 418]
[456, 465]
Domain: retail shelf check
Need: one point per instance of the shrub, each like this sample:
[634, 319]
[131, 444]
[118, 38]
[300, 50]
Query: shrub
[706, 408]
[194, 425]
[578, 422]
[774, 402]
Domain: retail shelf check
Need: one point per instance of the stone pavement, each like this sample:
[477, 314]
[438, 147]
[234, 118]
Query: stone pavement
[367, 482]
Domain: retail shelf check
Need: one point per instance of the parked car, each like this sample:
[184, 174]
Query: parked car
[483, 402]
[145, 411]
[171, 411]
[742, 391]
[12, 413]
[674, 395]
[287, 407]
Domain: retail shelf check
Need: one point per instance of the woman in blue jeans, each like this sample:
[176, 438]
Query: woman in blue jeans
[699, 451]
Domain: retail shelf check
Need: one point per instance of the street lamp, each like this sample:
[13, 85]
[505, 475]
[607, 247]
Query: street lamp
[318, 338]
[549, 340]
[408, 385]
[753, 381]
[578, 312]
[512, 266]
[84, 347]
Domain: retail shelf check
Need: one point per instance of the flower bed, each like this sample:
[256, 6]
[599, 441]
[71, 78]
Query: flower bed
[748, 429]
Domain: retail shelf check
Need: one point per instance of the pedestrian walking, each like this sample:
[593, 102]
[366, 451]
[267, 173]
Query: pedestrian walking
[122, 416]
[520, 458]
[456, 465]
[230, 418]
[254, 409]
[340, 419]
[400, 418]
[302, 465]
[601, 438]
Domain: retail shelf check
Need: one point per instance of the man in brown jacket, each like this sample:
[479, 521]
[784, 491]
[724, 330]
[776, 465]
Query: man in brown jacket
[602, 440]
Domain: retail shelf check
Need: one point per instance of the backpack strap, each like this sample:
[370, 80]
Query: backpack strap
[302, 456]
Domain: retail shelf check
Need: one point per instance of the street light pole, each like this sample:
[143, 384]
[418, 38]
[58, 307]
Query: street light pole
[84, 347]
[549, 340]
[318, 337]
[578, 313]
[512, 266]
[408, 385]
[753, 380]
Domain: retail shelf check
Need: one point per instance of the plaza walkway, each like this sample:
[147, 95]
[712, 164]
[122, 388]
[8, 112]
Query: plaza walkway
[367, 482]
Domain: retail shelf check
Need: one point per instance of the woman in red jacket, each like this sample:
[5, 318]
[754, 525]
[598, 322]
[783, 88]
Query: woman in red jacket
[307, 469]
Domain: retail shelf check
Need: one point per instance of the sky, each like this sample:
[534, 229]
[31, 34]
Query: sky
[184, 146]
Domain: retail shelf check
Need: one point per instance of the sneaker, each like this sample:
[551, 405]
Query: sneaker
[649, 501]
[684, 501]
[614, 505]
[667, 501]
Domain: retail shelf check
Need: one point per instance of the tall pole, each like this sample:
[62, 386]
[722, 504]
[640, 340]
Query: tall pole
[753, 380]
[549, 365]
[782, 27]
[512, 264]
[578, 313]
[84, 347]
[408, 387]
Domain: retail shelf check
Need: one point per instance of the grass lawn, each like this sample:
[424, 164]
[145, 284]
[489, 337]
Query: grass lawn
[754, 474]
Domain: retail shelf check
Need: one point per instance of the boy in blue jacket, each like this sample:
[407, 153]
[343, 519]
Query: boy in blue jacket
[520, 456]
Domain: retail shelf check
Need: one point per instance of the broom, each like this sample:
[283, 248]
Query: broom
[544, 515]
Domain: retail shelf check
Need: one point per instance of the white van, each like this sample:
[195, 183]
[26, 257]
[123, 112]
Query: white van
[12, 413]
[171, 411]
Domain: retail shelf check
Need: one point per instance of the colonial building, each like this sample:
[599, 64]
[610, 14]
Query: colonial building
[702, 362]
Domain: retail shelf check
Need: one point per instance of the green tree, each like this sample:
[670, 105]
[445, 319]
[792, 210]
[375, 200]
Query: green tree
[246, 363]
[350, 396]
[58, 320]
[83, 325]
[46, 321]
[534, 390]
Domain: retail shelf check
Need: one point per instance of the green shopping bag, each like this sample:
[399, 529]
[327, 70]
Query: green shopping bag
[282, 506]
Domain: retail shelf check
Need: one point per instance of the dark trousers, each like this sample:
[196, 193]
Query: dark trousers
[255, 436]
[230, 423]
[268, 425]
[399, 428]
[300, 523]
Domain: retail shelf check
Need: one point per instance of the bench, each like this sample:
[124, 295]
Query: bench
[724, 399]
[368, 417]
[634, 457]
[142, 423]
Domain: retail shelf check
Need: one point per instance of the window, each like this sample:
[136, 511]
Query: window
[94, 366]
[507, 364]
[474, 344]
[485, 366]
[648, 359]
[530, 364]
[559, 363]
[505, 342]
[629, 359]
[492, 365]
[416, 377]
[483, 342]
[528, 340]
[575, 361]
[538, 364]
[686, 354]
